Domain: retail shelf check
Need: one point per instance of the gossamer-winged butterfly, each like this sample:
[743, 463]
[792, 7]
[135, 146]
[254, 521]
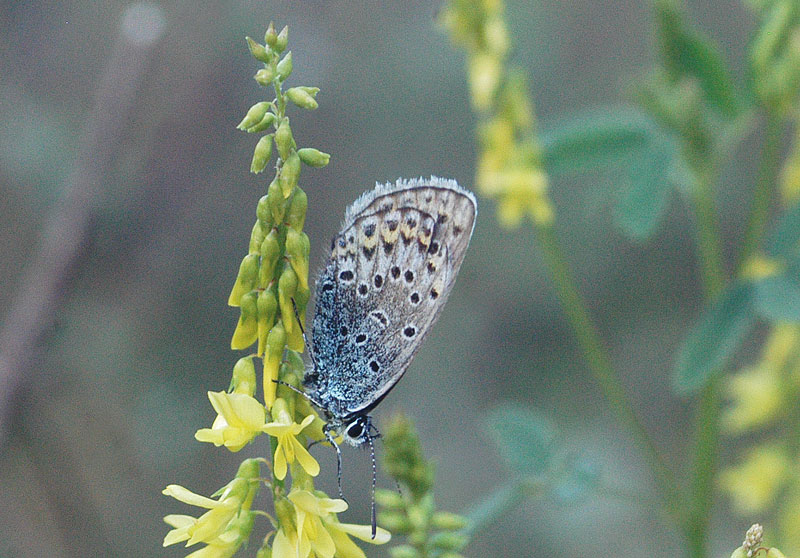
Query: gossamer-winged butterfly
[390, 271]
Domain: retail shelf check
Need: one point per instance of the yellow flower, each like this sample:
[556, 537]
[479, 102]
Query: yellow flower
[753, 484]
[757, 396]
[226, 544]
[209, 526]
[318, 533]
[240, 419]
[289, 448]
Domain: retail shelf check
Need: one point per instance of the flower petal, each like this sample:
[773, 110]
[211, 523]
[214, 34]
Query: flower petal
[345, 548]
[188, 497]
[305, 459]
[364, 532]
[280, 462]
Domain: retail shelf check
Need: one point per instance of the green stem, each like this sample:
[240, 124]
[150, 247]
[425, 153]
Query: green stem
[603, 371]
[707, 428]
[762, 195]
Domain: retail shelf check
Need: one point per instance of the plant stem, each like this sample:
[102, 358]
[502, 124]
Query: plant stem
[762, 195]
[707, 428]
[603, 371]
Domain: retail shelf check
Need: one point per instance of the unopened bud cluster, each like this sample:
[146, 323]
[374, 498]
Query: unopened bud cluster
[752, 545]
[510, 165]
[271, 288]
[412, 512]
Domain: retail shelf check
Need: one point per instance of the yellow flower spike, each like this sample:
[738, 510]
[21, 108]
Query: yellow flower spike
[297, 250]
[246, 331]
[755, 482]
[244, 377]
[289, 449]
[296, 213]
[240, 418]
[287, 286]
[757, 397]
[267, 305]
[245, 280]
[273, 354]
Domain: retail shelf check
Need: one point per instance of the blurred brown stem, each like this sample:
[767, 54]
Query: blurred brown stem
[43, 284]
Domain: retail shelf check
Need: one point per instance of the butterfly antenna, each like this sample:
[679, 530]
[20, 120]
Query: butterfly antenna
[327, 431]
[303, 333]
[374, 474]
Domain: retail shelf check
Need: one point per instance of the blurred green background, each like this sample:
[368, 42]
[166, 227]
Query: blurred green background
[118, 387]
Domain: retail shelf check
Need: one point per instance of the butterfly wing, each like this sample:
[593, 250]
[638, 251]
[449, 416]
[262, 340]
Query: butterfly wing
[390, 272]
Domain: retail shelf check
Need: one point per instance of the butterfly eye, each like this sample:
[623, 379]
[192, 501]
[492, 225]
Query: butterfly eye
[355, 430]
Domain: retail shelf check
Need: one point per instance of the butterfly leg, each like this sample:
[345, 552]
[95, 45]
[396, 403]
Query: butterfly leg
[370, 437]
[327, 431]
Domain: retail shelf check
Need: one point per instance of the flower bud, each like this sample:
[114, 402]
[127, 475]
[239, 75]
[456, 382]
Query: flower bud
[247, 329]
[267, 307]
[314, 157]
[263, 214]
[249, 469]
[265, 123]
[297, 250]
[273, 353]
[301, 98]
[258, 51]
[287, 286]
[244, 377]
[394, 521]
[284, 67]
[775, 553]
[448, 541]
[296, 213]
[254, 115]
[283, 139]
[265, 76]
[389, 499]
[271, 36]
[270, 252]
[403, 551]
[448, 521]
[277, 205]
[245, 280]
[282, 40]
[261, 154]
[256, 237]
[290, 173]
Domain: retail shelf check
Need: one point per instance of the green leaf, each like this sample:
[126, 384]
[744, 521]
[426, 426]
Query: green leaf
[644, 199]
[688, 53]
[777, 298]
[599, 138]
[784, 239]
[713, 340]
[526, 439]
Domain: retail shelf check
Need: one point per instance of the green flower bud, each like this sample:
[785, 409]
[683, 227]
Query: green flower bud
[294, 363]
[301, 98]
[449, 541]
[290, 173]
[287, 286]
[283, 139]
[277, 205]
[282, 40]
[256, 237]
[418, 517]
[297, 250]
[273, 353]
[775, 553]
[244, 377]
[249, 469]
[395, 522]
[254, 115]
[448, 521]
[266, 122]
[271, 36]
[258, 51]
[284, 67]
[389, 499]
[296, 213]
[265, 76]
[314, 157]
[261, 154]
[270, 252]
[245, 280]
[403, 551]
[284, 512]
[267, 307]
[262, 212]
[246, 331]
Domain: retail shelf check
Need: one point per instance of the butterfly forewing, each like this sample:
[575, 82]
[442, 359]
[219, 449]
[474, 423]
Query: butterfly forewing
[390, 272]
